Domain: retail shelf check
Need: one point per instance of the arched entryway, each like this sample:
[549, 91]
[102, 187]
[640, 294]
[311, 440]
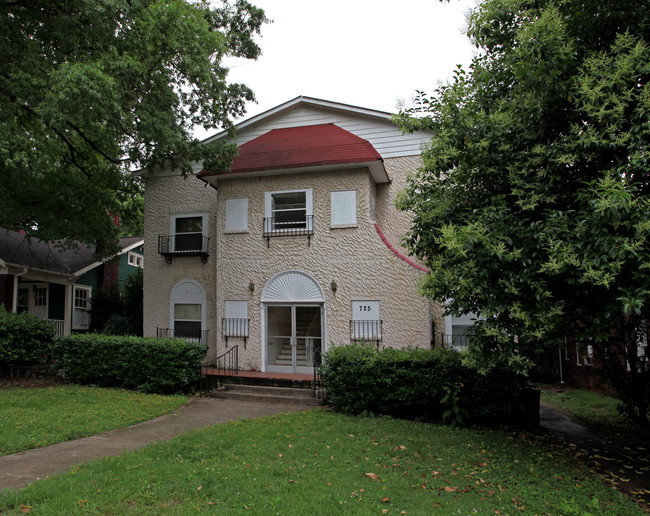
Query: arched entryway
[293, 322]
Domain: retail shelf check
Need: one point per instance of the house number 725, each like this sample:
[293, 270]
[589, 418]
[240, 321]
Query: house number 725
[365, 308]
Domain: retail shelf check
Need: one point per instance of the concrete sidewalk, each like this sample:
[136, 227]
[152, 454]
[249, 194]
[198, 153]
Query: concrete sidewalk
[20, 469]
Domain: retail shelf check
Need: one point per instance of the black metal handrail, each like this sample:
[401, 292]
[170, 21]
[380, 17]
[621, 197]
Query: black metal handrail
[235, 328]
[226, 364]
[189, 244]
[200, 336]
[284, 228]
[318, 384]
[366, 330]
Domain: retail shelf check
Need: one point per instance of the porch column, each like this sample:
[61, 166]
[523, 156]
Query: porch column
[67, 314]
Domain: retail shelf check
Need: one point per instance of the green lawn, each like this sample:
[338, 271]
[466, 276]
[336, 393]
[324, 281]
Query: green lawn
[321, 463]
[31, 418]
[597, 410]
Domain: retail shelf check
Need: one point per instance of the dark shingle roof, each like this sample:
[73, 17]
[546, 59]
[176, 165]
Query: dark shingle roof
[16, 249]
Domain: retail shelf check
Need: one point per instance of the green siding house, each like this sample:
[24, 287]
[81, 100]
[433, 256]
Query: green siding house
[38, 278]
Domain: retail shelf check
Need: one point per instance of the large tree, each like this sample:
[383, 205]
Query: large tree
[91, 89]
[533, 204]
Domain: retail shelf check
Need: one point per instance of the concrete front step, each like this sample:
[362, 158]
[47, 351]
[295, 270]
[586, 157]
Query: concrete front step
[265, 394]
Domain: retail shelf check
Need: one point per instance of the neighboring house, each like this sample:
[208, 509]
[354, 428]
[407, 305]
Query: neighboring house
[40, 279]
[294, 249]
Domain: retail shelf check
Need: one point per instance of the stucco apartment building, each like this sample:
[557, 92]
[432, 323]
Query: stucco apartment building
[296, 248]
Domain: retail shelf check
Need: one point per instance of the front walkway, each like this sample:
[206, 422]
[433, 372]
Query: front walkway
[20, 469]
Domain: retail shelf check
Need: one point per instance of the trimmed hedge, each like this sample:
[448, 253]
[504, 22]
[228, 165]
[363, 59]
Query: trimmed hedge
[423, 384]
[24, 338]
[162, 366]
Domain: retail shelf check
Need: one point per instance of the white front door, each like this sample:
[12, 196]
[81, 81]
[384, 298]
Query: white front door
[293, 337]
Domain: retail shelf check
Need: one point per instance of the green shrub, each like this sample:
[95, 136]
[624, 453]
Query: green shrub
[415, 383]
[162, 366]
[24, 338]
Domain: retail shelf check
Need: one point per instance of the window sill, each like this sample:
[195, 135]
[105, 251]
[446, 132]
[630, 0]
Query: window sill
[235, 231]
[343, 226]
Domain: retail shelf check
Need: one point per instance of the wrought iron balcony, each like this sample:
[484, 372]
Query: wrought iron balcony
[190, 244]
[457, 342]
[235, 328]
[281, 227]
[366, 331]
[190, 335]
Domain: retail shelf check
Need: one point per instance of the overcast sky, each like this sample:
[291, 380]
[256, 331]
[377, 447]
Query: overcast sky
[368, 53]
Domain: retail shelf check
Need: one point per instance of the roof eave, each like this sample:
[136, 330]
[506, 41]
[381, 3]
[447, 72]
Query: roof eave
[376, 167]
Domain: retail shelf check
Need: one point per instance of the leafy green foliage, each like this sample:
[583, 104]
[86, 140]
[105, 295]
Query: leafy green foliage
[426, 384]
[532, 207]
[24, 338]
[118, 311]
[83, 107]
[162, 366]
[36, 417]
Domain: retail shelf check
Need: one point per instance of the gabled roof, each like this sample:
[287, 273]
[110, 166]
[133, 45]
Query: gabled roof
[300, 101]
[303, 147]
[37, 254]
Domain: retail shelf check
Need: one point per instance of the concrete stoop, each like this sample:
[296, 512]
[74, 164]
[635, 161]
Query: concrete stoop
[266, 394]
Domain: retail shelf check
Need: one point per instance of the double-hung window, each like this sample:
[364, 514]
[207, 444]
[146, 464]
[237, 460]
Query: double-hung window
[189, 231]
[187, 321]
[288, 211]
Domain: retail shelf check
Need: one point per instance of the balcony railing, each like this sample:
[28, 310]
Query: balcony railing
[273, 227]
[235, 328]
[59, 327]
[191, 244]
[457, 342]
[366, 331]
[200, 336]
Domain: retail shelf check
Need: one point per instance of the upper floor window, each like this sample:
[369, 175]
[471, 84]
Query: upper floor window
[344, 208]
[237, 214]
[288, 210]
[188, 231]
[135, 259]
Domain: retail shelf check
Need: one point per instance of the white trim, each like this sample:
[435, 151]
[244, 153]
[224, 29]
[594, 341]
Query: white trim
[292, 287]
[136, 257]
[308, 101]
[187, 291]
[90, 267]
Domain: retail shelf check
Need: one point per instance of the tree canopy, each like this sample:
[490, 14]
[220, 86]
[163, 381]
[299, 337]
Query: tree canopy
[533, 204]
[91, 89]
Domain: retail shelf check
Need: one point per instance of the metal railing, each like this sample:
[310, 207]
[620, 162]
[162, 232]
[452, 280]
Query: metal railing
[212, 371]
[235, 328]
[457, 342]
[284, 228]
[190, 244]
[366, 331]
[318, 384]
[200, 336]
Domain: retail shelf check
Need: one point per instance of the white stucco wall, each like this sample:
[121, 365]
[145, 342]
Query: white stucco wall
[355, 257]
[165, 197]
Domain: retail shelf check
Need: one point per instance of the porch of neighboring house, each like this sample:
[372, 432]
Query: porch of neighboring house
[66, 305]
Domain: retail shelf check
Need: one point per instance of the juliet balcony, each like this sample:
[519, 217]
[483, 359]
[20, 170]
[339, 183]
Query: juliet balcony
[189, 244]
[285, 226]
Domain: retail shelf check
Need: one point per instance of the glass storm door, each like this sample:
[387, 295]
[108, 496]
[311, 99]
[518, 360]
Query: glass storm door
[293, 337]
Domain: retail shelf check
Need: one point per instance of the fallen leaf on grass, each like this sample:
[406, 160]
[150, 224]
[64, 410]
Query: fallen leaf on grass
[385, 500]
[373, 476]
